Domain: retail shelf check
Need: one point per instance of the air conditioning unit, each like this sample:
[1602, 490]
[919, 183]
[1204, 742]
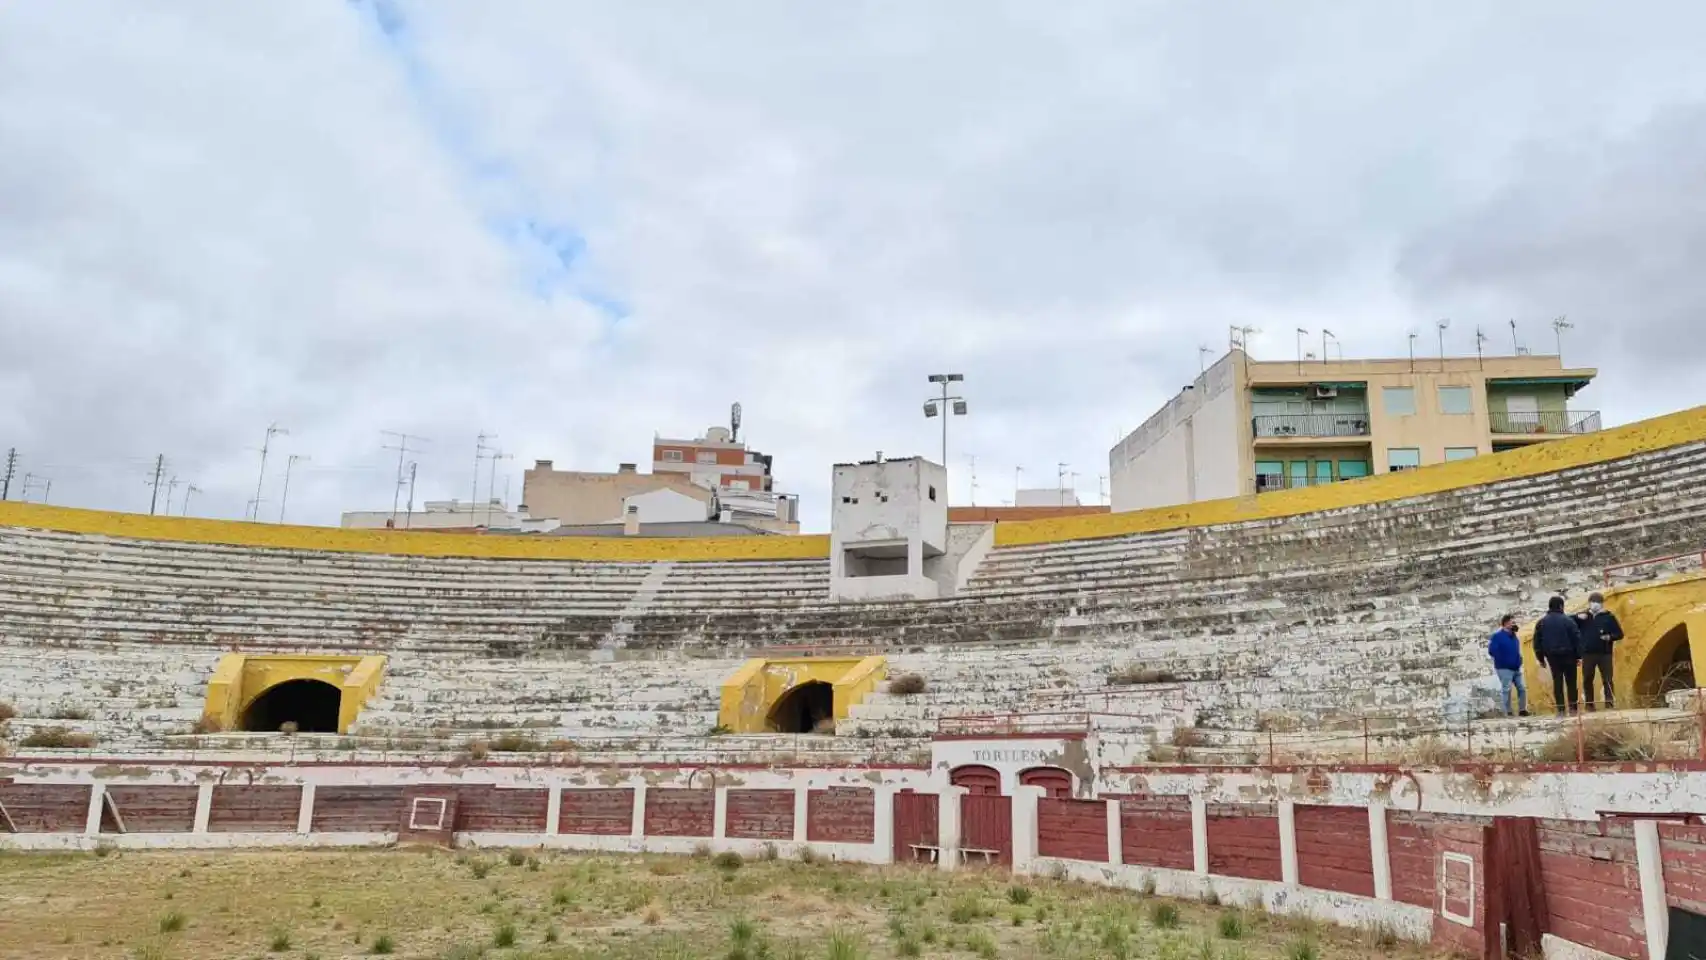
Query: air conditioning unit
[1318, 392]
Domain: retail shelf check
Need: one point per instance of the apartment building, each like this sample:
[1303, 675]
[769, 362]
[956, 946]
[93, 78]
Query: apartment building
[715, 460]
[1247, 426]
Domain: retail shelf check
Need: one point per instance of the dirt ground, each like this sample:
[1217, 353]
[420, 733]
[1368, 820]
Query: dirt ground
[441, 905]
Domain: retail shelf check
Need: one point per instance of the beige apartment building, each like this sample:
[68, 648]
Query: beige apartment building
[1247, 426]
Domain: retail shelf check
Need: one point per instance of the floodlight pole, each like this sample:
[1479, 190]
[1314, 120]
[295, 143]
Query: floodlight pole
[946, 409]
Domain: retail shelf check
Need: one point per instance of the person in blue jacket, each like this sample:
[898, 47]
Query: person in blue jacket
[1506, 652]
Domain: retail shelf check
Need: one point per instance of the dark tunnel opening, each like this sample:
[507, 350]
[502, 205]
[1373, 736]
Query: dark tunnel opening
[803, 708]
[312, 705]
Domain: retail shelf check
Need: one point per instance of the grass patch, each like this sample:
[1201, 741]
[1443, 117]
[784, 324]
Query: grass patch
[504, 936]
[1303, 947]
[58, 738]
[172, 922]
[1231, 925]
[516, 858]
[382, 945]
[1133, 676]
[907, 685]
[728, 861]
[1018, 895]
[1164, 916]
[280, 941]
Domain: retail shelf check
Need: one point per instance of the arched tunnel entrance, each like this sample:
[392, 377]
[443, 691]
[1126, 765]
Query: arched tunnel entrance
[1669, 666]
[804, 708]
[312, 705]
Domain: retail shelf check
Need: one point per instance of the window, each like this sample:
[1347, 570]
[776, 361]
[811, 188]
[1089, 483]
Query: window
[1352, 469]
[1403, 458]
[740, 484]
[673, 456]
[1455, 400]
[1323, 472]
[932, 493]
[1399, 401]
[706, 456]
[1460, 453]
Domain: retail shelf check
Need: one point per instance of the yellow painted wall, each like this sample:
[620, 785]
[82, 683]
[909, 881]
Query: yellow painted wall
[1656, 434]
[240, 678]
[1648, 435]
[751, 692]
[1648, 612]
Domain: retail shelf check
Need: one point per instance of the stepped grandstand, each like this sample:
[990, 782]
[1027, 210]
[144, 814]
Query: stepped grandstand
[1322, 609]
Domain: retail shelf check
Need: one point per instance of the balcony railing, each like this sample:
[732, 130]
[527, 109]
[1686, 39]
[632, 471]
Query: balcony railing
[1312, 425]
[1270, 482]
[1547, 421]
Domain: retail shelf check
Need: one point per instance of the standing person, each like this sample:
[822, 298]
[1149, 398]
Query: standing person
[1558, 647]
[1600, 630]
[1506, 652]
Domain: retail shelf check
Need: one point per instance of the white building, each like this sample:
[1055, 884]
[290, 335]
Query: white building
[887, 519]
[449, 515]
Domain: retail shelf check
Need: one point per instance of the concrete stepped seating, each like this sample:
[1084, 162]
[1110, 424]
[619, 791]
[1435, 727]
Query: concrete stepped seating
[1381, 609]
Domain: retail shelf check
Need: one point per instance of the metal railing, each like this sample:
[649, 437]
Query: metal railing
[1312, 425]
[1547, 421]
[1271, 482]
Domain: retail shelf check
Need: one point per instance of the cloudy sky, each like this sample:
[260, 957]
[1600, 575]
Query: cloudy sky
[576, 224]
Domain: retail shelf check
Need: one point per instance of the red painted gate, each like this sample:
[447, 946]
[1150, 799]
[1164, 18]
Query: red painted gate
[986, 823]
[914, 826]
[1054, 780]
[976, 778]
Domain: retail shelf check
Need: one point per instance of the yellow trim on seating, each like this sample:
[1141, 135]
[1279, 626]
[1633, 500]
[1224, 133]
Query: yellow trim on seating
[1688, 426]
[339, 540]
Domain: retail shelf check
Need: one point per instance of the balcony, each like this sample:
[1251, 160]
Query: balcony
[1273, 482]
[1314, 425]
[1546, 423]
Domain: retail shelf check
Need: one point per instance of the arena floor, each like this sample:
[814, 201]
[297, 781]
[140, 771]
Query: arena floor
[441, 905]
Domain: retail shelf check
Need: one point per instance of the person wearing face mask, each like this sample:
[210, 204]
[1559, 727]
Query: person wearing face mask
[1600, 630]
[1558, 647]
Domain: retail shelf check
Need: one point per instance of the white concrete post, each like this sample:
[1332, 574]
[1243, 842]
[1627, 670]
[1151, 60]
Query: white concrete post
[948, 826]
[97, 803]
[1655, 906]
[882, 838]
[720, 813]
[1199, 834]
[1288, 842]
[554, 810]
[802, 812]
[1116, 834]
[203, 807]
[1380, 851]
[638, 829]
[305, 810]
[1026, 840]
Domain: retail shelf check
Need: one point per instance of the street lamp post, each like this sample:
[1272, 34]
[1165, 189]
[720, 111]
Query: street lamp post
[944, 405]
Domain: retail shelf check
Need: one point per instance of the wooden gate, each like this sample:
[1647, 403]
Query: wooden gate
[914, 826]
[1516, 897]
[986, 829]
[977, 779]
[1056, 781]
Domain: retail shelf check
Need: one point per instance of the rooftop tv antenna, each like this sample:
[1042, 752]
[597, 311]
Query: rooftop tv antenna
[734, 422]
[1559, 326]
[1442, 325]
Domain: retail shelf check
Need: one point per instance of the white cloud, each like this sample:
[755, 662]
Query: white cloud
[221, 215]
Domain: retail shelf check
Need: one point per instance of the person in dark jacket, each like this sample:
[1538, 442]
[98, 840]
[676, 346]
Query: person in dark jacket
[1558, 647]
[1600, 630]
[1506, 652]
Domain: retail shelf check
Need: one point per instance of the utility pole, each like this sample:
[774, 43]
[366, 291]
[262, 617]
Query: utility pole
[159, 468]
[1442, 325]
[402, 447]
[273, 429]
[189, 491]
[409, 517]
[11, 467]
[172, 486]
[32, 481]
[945, 405]
[971, 460]
[492, 484]
[1060, 483]
[1516, 346]
[1480, 339]
[1102, 488]
[1301, 333]
[1325, 335]
[480, 452]
[1413, 352]
[284, 498]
